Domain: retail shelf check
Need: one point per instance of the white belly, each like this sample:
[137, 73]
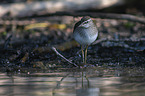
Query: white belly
[85, 41]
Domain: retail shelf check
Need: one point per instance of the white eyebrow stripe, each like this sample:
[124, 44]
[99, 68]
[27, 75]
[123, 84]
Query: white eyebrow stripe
[85, 22]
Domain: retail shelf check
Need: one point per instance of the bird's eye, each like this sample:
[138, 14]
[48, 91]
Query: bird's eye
[86, 22]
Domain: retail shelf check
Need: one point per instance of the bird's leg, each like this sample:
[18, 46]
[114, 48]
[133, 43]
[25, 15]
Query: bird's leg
[82, 53]
[86, 54]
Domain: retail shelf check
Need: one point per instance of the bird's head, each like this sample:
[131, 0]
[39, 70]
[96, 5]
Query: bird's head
[85, 22]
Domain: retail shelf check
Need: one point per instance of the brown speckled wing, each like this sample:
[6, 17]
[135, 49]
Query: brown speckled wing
[77, 24]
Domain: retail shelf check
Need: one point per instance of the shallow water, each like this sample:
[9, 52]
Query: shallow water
[98, 81]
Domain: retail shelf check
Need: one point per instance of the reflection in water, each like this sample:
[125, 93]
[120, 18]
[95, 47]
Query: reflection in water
[88, 92]
[100, 82]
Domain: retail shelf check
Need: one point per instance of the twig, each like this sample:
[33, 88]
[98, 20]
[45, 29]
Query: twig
[100, 40]
[54, 49]
[103, 16]
[58, 83]
[120, 40]
[7, 42]
[117, 40]
[96, 15]
[76, 14]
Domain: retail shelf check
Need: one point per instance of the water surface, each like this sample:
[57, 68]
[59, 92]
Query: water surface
[98, 81]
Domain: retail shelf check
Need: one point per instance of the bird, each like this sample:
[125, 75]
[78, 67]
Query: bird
[85, 32]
